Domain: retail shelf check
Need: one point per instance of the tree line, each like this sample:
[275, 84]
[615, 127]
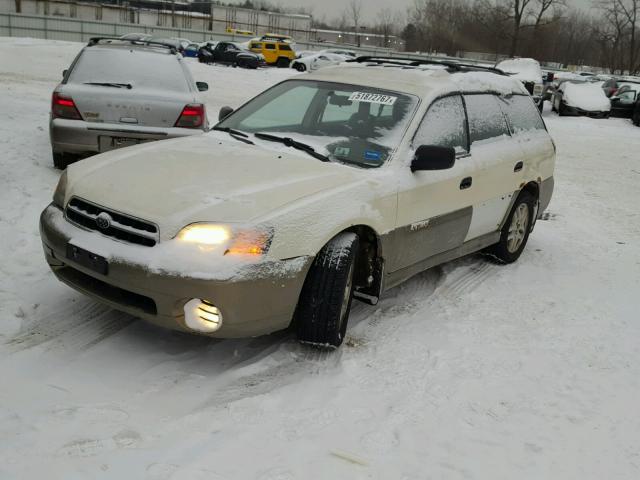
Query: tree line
[549, 30]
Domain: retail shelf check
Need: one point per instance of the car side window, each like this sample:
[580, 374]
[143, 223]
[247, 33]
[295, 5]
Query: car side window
[444, 125]
[486, 120]
[522, 113]
[269, 46]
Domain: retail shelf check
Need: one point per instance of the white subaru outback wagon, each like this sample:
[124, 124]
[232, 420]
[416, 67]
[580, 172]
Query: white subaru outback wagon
[324, 188]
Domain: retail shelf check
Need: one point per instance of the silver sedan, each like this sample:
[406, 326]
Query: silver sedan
[122, 92]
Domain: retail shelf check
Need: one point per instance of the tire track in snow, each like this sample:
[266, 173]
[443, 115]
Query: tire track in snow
[78, 325]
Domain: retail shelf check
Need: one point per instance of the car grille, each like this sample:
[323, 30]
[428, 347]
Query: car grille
[123, 227]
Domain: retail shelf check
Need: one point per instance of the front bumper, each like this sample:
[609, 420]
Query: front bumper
[84, 138]
[579, 112]
[256, 304]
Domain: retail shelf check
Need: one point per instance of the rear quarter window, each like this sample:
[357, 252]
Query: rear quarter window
[522, 113]
[486, 120]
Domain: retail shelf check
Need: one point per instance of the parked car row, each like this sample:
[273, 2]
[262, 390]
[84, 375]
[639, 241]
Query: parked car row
[327, 187]
[595, 97]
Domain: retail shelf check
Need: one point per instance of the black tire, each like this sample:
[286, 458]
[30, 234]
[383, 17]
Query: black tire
[61, 160]
[282, 62]
[504, 251]
[301, 67]
[325, 300]
[561, 110]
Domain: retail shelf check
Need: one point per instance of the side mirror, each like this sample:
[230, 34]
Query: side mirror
[64, 73]
[433, 157]
[202, 86]
[224, 113]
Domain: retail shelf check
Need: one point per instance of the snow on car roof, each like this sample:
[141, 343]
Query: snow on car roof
[417, 80]
[524, 69]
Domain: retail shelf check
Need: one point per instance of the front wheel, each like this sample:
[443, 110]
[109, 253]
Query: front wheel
[515, 232]
[282, 62]
[61, 160]
[561, 110]
[300, 67]
[325, 301]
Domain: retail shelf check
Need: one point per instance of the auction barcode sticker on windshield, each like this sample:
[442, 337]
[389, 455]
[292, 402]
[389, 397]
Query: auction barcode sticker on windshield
[373, 98]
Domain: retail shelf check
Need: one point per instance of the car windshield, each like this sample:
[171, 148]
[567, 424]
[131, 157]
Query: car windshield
[139, 68]
[347, 123]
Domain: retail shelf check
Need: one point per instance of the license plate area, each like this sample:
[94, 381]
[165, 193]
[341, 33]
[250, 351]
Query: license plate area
[87, 259]
[113, 143]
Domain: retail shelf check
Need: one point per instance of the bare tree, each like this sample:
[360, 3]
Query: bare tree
[629, 10]
[516, 11]
[354, 13]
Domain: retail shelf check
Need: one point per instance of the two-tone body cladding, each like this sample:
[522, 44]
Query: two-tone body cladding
[330, 186]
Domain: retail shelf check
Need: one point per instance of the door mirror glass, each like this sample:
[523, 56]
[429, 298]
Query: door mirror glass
[224, 113]
[433, 157]
[202, 86]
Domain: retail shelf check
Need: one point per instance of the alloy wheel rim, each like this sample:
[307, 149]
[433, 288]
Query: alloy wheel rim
[518, 228]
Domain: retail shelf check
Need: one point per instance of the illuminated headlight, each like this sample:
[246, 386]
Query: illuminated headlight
[202, 316]
[61, 190]
[231, 241]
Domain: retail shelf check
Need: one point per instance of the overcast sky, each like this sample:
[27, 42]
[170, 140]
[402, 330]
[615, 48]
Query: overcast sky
[333, 8]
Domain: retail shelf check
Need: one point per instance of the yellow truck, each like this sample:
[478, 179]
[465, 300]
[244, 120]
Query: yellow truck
[276, 49]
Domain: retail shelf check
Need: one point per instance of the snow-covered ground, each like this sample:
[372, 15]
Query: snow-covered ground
[468, 371]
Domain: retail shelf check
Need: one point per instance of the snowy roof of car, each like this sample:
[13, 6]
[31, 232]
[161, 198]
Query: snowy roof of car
[418, 80]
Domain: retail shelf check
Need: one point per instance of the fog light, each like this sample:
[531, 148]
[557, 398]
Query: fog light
[202, 316]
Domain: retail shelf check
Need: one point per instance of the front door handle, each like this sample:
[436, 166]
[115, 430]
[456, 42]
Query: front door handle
[466, 183]
[518, 167]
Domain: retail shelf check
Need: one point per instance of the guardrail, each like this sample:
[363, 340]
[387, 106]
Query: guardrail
[77, 30]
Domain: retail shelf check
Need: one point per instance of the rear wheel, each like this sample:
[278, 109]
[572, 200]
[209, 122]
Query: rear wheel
[61, 160]
[325, 301]
[515, 232]
[561, 110]
[282, 62]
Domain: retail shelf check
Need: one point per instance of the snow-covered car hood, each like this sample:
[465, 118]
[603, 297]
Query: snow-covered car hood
[212, 178]
[523, 69]
[586, 96]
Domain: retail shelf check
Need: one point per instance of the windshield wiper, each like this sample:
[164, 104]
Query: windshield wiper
[111, 84]
[237, 134]
[290, 142]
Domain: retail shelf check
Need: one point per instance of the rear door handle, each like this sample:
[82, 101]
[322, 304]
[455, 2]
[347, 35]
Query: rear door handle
[518, 167]
[466, 183]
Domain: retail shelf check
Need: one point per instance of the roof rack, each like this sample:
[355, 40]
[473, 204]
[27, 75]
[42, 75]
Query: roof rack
[416, 62]
[151, 43]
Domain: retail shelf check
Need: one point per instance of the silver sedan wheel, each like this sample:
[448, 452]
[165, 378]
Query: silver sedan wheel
[518, 228]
